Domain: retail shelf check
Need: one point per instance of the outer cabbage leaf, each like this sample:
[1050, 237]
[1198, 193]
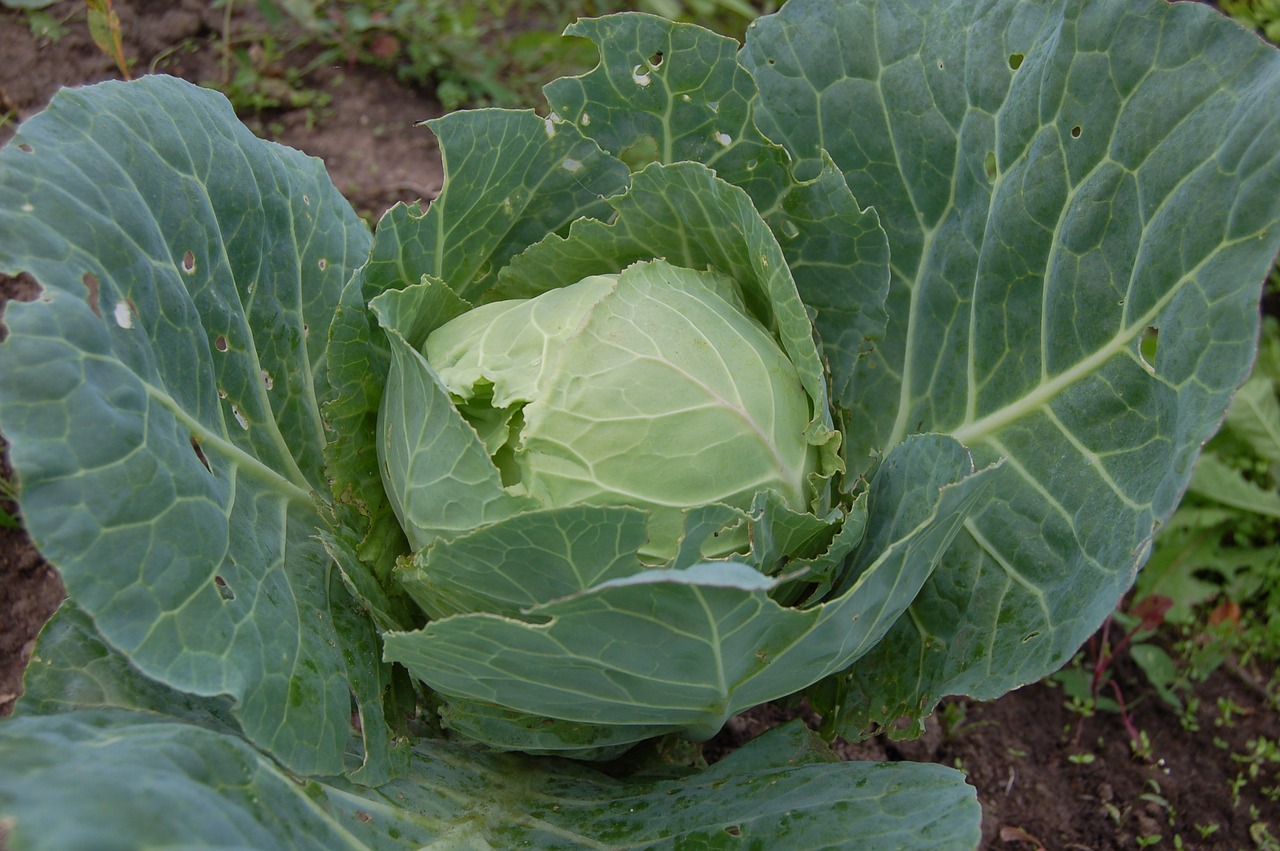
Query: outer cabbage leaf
[669, 92]
[693, 646]
[90, 780]
[128, 773]
[160, 397]
[1059, 182]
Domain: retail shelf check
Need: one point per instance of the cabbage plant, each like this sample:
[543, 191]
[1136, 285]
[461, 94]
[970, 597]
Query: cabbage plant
[857, 363]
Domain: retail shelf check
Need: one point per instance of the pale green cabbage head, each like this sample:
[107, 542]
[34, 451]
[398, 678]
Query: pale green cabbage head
[653, 388]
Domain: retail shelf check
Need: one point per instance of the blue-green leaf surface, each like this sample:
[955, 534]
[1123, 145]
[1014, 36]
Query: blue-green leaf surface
[148, 767]
[693, 646]
[1059, 181]
[669, 92]
[522, 561]
[160, 396]
[102, 779]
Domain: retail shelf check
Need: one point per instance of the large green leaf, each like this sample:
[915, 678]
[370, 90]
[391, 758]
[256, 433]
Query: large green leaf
[1059, 181]
[91, 780]
[160, 396]
[143, 766]
[693, 646]
[668, 92]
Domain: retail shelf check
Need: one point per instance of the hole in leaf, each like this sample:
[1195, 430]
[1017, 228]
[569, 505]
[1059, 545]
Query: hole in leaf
[1030, 636]
[220, 343]
[26, 149]
[989, 163]
[324, 264]
[640, 75]
[267, 380]
[940, 66]
[772, 61]
[1076, 131]
[1147, 348]
[733, 830]
[640, 153]
[655, 60]
[188, 262]
[1015, 60]
[224, 589]
[91, 284]
[195, 447]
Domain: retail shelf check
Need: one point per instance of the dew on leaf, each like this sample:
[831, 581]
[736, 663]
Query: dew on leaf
[724, 139]
[28, 208]
[585, 119]
[570, 164]
[124, 316]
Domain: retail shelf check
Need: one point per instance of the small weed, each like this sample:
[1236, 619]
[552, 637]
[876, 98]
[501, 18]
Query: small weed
[1263, 838]
[1081, 758]
[1261, 15]
[1207, 830]
[1228, 709]
[1141, 747]
[46, 27]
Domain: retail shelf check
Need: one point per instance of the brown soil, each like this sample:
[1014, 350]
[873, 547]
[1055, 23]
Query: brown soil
[1047, 776]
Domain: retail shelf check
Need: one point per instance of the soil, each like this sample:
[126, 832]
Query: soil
[1047, 776]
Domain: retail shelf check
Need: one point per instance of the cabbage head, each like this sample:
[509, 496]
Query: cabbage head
[654, 388]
